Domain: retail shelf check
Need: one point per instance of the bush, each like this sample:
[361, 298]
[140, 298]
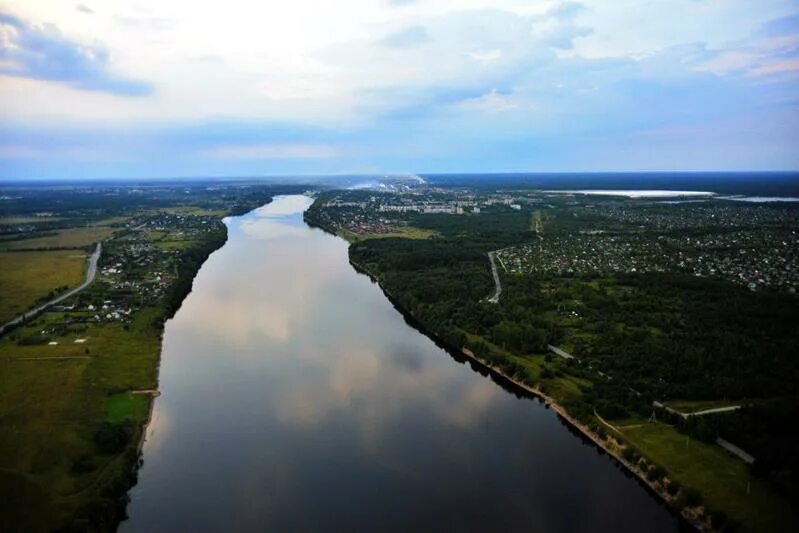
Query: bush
[32, 339]
[678, 503]
[656, 473]
[692, 497]
[83, 464]
[629, 454]
[113, 438]
[718, 519]
[673, 487]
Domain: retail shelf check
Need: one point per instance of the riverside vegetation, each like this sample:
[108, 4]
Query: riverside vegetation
[637, 337]
[77, 381]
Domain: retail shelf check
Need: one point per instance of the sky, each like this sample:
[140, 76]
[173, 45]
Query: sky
[172, 88]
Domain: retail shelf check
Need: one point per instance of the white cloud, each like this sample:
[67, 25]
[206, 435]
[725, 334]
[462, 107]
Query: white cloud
[780, 66]
[273, 151]
[486, 56]
[493, 102]
[73, 153]
[419, 79]
[270, 60]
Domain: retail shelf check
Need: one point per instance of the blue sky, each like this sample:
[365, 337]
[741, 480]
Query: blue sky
[155, 88]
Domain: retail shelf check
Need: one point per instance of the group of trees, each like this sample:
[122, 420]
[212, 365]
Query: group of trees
[652, 336]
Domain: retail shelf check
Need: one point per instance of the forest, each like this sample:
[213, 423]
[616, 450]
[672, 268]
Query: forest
[637, 338]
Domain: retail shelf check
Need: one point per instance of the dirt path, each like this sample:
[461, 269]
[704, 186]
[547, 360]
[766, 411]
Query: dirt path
[497, 285]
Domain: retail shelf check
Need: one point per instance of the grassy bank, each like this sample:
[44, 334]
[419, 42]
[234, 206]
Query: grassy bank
[58, 403]
[442, 284]
[76, 384]
[711, 489]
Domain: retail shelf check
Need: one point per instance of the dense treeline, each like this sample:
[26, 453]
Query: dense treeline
[193, 257]
[638, 338]
[190, 261]
[442, 280]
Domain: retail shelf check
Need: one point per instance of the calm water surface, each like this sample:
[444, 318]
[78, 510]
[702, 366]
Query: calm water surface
[295, 397]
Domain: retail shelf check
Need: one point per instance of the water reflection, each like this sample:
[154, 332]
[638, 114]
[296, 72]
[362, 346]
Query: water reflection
[295, 397]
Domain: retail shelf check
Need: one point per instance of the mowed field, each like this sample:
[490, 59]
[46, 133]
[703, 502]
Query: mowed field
[27, 276]
[22, 219]
[67, 238]
[723, 480]
[405, 232]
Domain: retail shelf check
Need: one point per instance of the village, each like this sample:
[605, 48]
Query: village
[763, 258]
[381, 213]
[136, 270]
[751, 245]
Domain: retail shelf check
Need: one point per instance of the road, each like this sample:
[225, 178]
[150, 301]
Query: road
[90, 273]
[697, 413]
[558, 351]
[498, 286]
[735, 450]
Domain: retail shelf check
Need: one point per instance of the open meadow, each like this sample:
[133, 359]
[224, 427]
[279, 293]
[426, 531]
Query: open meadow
[67, 238]
[25, 277]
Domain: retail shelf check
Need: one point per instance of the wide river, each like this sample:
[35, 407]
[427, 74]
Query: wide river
[295, 397]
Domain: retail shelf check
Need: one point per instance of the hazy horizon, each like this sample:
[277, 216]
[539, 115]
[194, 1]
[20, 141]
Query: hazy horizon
[311, 176]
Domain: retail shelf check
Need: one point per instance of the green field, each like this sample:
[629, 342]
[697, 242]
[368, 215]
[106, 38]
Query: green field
[126, 405]
[404, 232]
[723, 480]
[53, 399]
[27, 276]
[68, 238]
[10, 221]
[76, 385]
[174, 245]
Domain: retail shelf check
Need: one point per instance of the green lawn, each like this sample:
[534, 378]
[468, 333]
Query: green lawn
[723, 480]
[403, 232]
[174, 245]
[127, 406]
[22, 219]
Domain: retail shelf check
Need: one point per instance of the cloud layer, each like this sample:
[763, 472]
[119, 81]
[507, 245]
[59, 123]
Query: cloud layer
[474, 85]
[42, 53]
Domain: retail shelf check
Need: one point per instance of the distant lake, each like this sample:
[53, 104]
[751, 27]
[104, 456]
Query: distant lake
[295, 397]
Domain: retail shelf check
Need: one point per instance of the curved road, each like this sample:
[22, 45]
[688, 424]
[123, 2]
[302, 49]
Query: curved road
[90, 273]
[697, 413]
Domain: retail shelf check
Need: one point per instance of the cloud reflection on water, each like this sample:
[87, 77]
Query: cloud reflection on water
[286, 376]
[301, 311]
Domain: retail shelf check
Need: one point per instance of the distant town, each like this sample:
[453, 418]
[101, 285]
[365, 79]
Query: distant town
[755, 245]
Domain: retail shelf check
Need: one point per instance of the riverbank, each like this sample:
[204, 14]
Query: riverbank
[133, 455]
[694, 516]
[71, 458]
[183, 287]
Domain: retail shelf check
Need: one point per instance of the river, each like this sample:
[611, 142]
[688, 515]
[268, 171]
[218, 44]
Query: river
[295, 397]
